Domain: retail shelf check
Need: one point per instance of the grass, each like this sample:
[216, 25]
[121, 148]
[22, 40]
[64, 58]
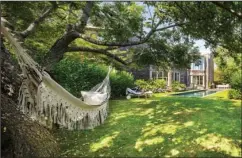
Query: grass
[162, 126]
[219, 95]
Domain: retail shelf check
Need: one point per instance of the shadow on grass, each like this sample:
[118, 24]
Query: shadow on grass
[171, 126]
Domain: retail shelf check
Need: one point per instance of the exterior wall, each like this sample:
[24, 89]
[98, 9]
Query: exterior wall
[156, 73]
[168, 75]
[141, 73]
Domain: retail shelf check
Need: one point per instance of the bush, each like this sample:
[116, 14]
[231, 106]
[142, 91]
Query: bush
[152, 85]
[177, 86]
[144, 85]
[236, 80]
[76, 76]
[159, 83]
[120, 80]
[235, 94]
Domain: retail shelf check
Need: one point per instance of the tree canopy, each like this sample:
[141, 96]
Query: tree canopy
[218, 23]
[165, 37]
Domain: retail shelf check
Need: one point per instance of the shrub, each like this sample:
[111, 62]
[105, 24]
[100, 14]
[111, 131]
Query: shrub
[76, 76]
[159, 83]
[120, 80]
[152, 85]
[177, 86]
[144, 85]
[236, 80]
[235, 94]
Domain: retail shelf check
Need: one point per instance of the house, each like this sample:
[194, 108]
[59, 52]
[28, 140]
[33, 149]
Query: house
[200, 73]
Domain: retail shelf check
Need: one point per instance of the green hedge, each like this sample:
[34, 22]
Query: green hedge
[76, 76]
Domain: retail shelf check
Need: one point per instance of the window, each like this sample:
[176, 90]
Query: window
[198, 80]
[160, 74]
[201, 80]
[153, 74]
[177, 76]
[198, 65]
[157, 74]
[181, 78]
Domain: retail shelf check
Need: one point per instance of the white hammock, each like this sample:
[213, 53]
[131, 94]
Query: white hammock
[46, 101]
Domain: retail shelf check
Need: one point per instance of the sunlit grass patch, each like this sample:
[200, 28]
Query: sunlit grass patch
[146, 142]
[173, 153]
[104, 142]
[167, 128]
[217, 142]
[161, 126]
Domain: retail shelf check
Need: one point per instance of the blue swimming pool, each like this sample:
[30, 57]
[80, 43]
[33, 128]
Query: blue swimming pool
[195, 94]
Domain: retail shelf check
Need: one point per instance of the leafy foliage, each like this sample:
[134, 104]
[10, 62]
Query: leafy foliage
[120, 80]
[235, 94]
[122, 20]
[159, 83]
[205, 20]
[177, 86]
[21, 14]
[229, 68]
[152, 85]
[127, 21]
[218, 77]
[236, 80]
[167, 49]
[144, 85]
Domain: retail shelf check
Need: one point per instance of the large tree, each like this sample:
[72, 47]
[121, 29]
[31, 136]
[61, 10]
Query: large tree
[64, 27]
[55, 28]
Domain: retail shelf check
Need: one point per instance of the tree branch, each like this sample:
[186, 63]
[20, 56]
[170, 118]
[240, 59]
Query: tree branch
[170, 26]
[84, 17]
[152, 31]
[33, 25]
[222, 6]
[98, 51]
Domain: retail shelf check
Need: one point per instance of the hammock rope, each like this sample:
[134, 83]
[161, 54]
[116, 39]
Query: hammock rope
[46, 101]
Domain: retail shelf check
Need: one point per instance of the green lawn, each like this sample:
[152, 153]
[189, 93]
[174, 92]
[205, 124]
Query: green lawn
[219, 95]
[162, 126]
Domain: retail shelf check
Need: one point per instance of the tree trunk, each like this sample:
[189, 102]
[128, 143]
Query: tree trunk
[21, 137]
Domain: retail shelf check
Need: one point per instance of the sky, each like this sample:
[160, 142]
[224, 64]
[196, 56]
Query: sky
[201, 46]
